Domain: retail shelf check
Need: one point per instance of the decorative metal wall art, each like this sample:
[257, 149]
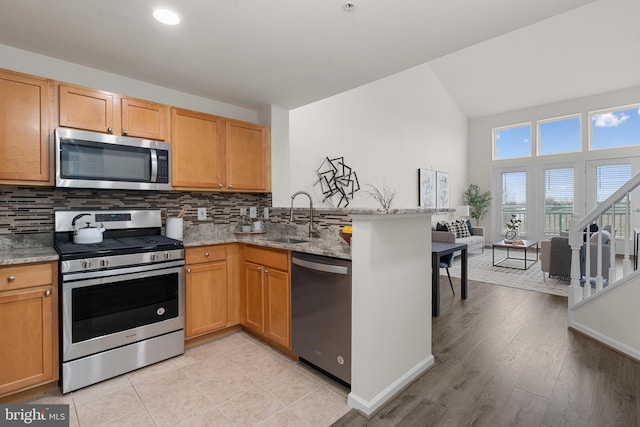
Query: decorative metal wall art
[337, 181]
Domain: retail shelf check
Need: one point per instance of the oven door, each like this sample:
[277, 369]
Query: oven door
[101, 313]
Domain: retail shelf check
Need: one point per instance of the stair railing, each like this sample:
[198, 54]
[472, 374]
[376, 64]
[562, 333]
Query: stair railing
[583, 284]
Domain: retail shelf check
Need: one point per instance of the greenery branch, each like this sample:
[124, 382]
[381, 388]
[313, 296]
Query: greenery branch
[477, 201]
[384, 197]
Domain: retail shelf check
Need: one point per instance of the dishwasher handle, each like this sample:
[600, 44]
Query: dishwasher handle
[328, 268]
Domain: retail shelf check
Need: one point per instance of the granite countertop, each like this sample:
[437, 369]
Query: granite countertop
[328, 244]
[9, 256]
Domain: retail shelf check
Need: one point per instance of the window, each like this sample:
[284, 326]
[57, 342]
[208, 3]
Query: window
[558, 199]
[512, 142]
[559, 136]
[514, 199]
[615, 128]
[609, 178]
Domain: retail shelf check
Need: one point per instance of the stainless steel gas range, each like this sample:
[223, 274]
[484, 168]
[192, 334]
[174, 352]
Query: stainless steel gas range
[122, 298]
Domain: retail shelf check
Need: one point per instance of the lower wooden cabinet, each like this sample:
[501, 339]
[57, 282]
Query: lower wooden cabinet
[265, 294]
[209, 289]
[28, 326]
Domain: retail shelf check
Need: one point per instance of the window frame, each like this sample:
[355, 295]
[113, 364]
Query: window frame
[495, 131]
[557, 119]
[590, 116]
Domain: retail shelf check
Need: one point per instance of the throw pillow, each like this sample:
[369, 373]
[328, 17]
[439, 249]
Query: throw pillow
[451, 227]
[461, 229]
[470, 227]
[441, 226]
[606, 236]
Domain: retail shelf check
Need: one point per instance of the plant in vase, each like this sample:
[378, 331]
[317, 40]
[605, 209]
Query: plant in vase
[512, 228]
[245, 225]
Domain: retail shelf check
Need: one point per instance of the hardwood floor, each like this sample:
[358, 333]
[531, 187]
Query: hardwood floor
[505, 357]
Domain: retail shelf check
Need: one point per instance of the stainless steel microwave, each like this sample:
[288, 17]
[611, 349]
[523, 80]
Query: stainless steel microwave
[97, 160]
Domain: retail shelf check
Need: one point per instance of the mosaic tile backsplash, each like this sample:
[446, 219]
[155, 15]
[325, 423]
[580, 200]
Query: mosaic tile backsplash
[29, 210]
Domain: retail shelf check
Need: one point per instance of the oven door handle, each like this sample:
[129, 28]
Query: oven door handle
[83, 275]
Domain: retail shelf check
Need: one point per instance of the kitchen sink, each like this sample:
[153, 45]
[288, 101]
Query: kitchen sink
[289, 240]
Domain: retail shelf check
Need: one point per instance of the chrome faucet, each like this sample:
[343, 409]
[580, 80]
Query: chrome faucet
[312, 231]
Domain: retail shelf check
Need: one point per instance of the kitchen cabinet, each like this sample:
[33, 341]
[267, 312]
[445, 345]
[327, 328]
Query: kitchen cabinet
[25, 128]
[29, 333]
[196, 150]
[247, 156]
[213, 153]
[100, 111]
[206, 288]
[265, 294]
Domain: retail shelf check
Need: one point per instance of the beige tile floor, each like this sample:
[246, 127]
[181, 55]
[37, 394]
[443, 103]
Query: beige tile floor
[233, 381]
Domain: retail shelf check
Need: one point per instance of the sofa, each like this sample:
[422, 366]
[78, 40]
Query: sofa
[447, 231]
[555, 256]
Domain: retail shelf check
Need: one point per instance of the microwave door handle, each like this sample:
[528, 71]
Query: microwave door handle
[154, 165]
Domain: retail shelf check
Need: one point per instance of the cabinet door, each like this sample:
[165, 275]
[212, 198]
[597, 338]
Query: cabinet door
[247, 156]
[24, 127]
[87, 109]
[144, 119]
[253, 296]
[277, 306]
[205, 298]
[196, 150]
[26, 338]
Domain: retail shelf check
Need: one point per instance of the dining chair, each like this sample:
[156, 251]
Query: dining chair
[446, 262]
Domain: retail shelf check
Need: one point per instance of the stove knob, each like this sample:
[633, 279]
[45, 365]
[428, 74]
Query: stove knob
[167, 255]
[86, 264]
[104, 263]
[153, 257]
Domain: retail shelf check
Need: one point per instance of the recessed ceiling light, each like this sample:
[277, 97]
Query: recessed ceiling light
[166, 16]
[348, 6]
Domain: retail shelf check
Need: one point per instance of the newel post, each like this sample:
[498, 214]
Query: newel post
[576, 292]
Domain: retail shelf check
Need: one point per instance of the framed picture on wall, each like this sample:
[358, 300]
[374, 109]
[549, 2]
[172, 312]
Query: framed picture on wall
[442, 190]
[426, 188]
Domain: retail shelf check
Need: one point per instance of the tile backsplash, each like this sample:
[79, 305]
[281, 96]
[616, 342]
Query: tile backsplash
[28, 211]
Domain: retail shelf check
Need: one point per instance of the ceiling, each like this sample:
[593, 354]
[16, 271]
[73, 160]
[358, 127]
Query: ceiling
[492, 55]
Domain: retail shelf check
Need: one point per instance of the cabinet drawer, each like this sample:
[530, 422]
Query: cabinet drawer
[267, 257]
[205, 254]
[25, 276]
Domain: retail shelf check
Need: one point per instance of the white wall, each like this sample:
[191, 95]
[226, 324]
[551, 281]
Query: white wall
[44, 66]
[385, 130]
[481, 143]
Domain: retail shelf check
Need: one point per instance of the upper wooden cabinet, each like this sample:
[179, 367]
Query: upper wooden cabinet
[100, 111]
[212, 153]
[25, 128]
[196, 150]
[247, 156]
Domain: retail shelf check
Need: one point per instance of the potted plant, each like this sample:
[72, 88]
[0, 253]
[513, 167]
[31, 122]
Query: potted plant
[477, 201]
[512, 228]
[245, 225]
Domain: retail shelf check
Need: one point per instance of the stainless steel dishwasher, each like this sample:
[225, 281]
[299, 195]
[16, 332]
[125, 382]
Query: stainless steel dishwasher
[321, 312]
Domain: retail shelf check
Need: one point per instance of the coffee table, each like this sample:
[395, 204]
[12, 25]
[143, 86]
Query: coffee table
[527, 245]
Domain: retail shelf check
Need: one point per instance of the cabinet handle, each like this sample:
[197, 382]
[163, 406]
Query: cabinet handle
[47, 293]
[259, 268]
[11, 279]
[125, 132]
[229, 186]
[189, 270]
[220, 185]
[206, 254]
[266, 271]
[110, 130]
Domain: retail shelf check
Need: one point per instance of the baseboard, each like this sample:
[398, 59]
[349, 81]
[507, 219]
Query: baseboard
[368, 408]
[605, 340]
